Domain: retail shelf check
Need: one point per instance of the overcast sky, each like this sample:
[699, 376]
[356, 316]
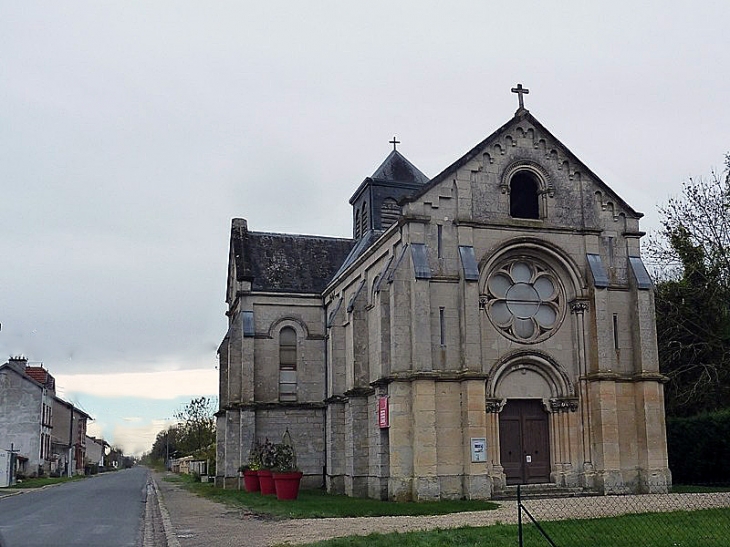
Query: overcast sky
[132, 132]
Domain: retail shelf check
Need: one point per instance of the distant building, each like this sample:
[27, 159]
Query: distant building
[490, 326]
[96, 452]
[44, 432]
[69, 438]
[25, 418]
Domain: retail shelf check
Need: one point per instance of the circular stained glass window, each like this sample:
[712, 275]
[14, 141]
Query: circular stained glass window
[524, 300]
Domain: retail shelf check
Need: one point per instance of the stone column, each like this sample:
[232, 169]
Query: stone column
[493, 407]
[578, 309]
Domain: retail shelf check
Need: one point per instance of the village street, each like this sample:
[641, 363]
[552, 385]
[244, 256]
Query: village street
[106, 509]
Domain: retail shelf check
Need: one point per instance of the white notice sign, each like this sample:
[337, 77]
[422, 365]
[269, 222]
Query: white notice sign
[478, 449]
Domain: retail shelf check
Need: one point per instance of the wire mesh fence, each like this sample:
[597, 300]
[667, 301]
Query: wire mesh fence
[699, 519]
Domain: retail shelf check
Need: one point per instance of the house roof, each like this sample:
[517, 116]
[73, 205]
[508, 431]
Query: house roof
[42, 376]
[522, 114]
[286, 262]
[21, 372]
[74, 409]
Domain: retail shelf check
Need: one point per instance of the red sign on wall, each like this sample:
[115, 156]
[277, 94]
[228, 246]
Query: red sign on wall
[383, 412]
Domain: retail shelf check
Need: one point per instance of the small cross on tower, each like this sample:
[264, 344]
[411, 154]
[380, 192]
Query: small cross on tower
[520, 91]
[394, 142]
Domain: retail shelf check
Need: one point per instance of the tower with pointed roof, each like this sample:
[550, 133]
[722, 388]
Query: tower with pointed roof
[488, 327]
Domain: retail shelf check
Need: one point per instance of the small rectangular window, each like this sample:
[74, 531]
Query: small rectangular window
[615, 331]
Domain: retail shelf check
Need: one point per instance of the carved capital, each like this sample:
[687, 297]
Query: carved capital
[564, 404]
[495, 405]
[578, 306]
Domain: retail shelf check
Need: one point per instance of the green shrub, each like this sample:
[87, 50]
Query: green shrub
[699, 448]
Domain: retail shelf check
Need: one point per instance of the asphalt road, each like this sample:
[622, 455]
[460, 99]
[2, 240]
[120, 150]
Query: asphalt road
[103, 510]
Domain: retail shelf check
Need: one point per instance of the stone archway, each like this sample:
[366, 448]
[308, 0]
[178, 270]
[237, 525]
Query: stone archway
[531, 395]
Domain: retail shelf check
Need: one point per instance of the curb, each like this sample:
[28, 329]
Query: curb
[170, 536]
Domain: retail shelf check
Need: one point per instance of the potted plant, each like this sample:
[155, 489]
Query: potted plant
[287, 476]
[250, 471]
[268, 462]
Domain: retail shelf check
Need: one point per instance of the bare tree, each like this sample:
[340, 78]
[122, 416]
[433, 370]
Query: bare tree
[693, 295]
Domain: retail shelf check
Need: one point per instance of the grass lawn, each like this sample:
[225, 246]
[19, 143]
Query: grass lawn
[318, 504]
[706, 528]
[45, 481]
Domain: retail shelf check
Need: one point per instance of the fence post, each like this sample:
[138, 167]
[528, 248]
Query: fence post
[519, 516]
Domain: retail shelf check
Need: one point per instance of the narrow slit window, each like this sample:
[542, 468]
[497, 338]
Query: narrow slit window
[442, 326]
[287, 365]
[615, 331]
[439, 240]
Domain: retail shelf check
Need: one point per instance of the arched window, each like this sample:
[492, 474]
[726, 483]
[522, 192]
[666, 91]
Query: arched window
[523, 196]
[287, 365]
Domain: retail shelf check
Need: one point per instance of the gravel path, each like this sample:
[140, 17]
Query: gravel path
[199, 522]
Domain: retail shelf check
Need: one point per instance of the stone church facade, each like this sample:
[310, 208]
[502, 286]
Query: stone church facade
[491, 326]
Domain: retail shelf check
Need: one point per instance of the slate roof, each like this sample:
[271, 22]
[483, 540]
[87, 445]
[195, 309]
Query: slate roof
[286, 262]
[397, 168]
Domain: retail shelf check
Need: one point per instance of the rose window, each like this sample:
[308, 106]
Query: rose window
[524, 300]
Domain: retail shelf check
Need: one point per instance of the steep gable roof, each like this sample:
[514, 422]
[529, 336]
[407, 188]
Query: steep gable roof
[285, 262]
[521, 115]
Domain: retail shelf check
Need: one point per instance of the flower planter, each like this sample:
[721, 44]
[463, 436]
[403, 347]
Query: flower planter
[287, 485]
[251, 481]
[266, 482]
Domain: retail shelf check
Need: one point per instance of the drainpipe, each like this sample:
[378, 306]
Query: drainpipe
[70, 444]
[326, 395]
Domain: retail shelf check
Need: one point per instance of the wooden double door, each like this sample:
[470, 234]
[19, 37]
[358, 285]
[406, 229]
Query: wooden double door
[524, 444]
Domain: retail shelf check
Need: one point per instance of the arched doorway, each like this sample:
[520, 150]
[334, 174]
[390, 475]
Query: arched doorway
[529, 394]
[524, 441]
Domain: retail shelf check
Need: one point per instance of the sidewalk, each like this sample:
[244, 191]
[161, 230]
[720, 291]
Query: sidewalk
[197, 521]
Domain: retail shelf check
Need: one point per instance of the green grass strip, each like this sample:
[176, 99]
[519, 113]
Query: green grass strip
[318, 504]
[705, 528]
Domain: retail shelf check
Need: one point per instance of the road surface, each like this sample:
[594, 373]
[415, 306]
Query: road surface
[106, 510]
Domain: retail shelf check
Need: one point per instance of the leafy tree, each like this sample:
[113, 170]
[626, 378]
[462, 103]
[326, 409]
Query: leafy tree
[197, 425]
[693, 295]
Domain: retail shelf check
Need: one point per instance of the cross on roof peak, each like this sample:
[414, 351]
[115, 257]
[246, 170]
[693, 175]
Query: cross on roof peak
[394, 142]
[520, 91]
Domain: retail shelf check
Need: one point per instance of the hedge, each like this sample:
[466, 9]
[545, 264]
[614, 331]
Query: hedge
[699, 448]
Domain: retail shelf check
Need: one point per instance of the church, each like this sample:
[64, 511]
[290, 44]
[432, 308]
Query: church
[487, 327]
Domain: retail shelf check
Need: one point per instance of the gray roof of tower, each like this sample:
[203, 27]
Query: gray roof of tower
[397, 168]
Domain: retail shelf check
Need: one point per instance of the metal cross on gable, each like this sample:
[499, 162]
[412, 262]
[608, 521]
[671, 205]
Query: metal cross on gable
[394, 142]
[520, 91]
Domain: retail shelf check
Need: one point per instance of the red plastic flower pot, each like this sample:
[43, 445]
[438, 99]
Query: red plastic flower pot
[287, 485]
[251, 481]
[266, 482]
